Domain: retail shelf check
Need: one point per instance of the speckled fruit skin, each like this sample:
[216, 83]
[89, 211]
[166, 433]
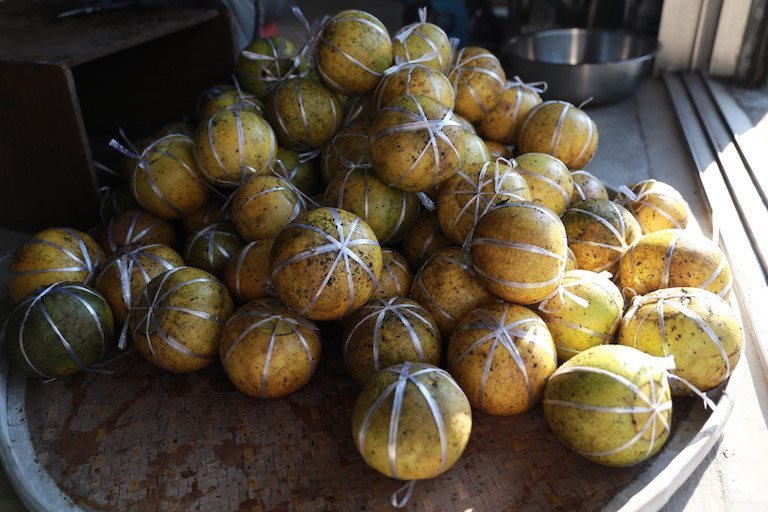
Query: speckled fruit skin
[418, 40]
[212, 247]
[290, 165]
[247, 273]
[229, 100]
[468, 127]
[518, 353]
[385, 332]
[349, 149]
[34, 264]
[592, 433]
[166, 182]
[233, 145]
[352, 51]
[705, 359]
[549, 179]
[448, 287]
[596, 246]
[478, 81]
[304, 114]
[388, 211]
[561, 130]
[423, 240]
[403, 152]
[259, 76]
[415, 79]
[695, 262]
[89, 336]
[263, 206]
[571, 262]
[417, 453]
[497, 149]
[475, 152]
[203, 217]
[325, 284]
[587, 186]
[576, 326]
[207, 95]
[268, 351]
[473, 192]
[136, 227]
[656, 206]
[504, 121]
[514, 272]
[123, 276]
[152, 319]
[396, 276]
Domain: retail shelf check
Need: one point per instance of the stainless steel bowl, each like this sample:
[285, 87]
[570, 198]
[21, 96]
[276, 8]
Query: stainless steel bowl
[581, 63]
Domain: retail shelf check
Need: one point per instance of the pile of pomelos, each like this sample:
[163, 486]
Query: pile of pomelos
[370, 180]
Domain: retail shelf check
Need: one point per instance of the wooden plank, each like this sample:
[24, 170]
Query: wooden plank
[705, 33]
[731, 28]
[751, 284]
[677, 34]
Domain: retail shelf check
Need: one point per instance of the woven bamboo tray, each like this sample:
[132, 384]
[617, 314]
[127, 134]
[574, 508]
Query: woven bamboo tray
[144, 439]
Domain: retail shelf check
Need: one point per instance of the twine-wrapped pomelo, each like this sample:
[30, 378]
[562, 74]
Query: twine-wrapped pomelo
[348, 150]
[599, 233]
[201, 218]
[673, 258]
[123, 276]
[473, 192]
[475, 151]
[414, 79]
[207, 95]
[50, 256]
[325, 264]
[423, 42]
[232, 99]
[415, 143]
[166, 180]
[59, 330]
[550, 180]
[448, 288]
[695, 326]
[298, 169]
[247, 273]
[561, 130]
[478, 81]
[584, 312]
[423, 240]
[396, 276]
[267, 350]
[267, 61]
[611, 404]
[587, 186]
[388, 211]
[352, 51]
[136, 227]
[115, 201]
[497, 150]
[232, 145]
[501, 355]
[519, 252]
[504, 121]
[263, 206]
[212, 247]
[655, 205]
[304, 114]
[177, 321]
[385, 332]
[411, 421]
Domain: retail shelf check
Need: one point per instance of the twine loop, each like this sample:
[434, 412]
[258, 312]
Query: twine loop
[537, 87]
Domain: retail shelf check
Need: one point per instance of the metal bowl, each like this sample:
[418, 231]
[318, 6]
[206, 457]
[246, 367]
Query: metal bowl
[581, 63]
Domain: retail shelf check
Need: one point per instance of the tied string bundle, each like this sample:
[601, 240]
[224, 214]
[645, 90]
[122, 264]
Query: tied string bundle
[150, 325]
[133, 235]
[209, 235]
[464, 69]
[380, 309]
[620, 234]
[407, 376]
[303, 116]
[463, 262]
[262, 314]
[81, 262]
[341, 244]
[578, 188]
[406, 32]
[128, 264]
[517, 82]
[473, 241]
[362, 161]
[549, 181]
[390, 266]
[558, 131]
[37, 302]
[244, 101]
[635, 200]
[500, 332]
[419, 122]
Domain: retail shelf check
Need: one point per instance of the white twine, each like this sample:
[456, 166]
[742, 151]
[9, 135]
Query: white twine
[464, 67]
[620, 234]
[132, 236]
[394, 261]
[537, 87]
[342, 246]
[209, 234]
[303, 145]
[636, 201]
[579, 189]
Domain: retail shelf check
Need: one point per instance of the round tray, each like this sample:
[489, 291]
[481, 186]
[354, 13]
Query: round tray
[144, 439]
